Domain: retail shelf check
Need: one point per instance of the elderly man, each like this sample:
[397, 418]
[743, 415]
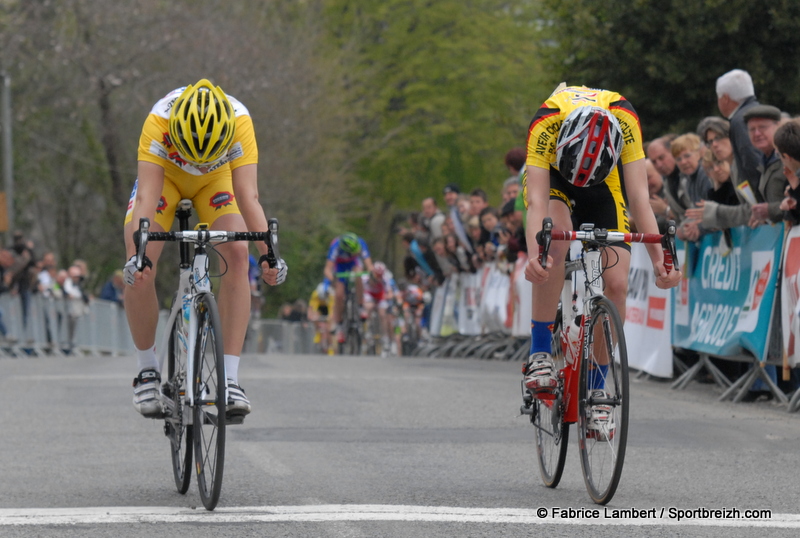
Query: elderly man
[735, 96]
[762, 122]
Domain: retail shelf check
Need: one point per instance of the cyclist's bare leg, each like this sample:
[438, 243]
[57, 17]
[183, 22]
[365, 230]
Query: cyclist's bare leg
[141, 301]
[547, 294]
[360, 292]
[234, 292]
[616, 262]
[338, 305]
[385, 322]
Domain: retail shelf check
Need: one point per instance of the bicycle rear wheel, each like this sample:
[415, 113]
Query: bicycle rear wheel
[603, 439]
[209, 401]
[175, 426]
[552, 433]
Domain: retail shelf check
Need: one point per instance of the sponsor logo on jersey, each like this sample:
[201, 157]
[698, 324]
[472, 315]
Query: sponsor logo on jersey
[162, 205]
[584, 97]
[177, 159]
[221, 199]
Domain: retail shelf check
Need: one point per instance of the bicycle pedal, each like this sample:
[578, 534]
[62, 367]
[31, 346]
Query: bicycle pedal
[234, 419]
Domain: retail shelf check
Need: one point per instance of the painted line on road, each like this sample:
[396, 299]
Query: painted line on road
[347, 512]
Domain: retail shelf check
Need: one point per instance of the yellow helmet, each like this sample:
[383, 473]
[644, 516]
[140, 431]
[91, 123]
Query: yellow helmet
[201, 123]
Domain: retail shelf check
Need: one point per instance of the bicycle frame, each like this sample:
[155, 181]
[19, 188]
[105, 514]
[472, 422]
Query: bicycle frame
[193, 278]
[190, 287]
[591, 266]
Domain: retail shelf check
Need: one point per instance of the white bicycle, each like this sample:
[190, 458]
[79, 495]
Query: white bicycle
[194, 390]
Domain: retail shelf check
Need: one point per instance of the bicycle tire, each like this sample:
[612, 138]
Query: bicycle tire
[603, 450]
[552, 433]
[209, 401]
[175, 427]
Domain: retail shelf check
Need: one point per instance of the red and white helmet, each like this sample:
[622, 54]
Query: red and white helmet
[379, 269]
[588, 147]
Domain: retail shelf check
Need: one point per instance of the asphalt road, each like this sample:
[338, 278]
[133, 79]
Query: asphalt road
[360, 446]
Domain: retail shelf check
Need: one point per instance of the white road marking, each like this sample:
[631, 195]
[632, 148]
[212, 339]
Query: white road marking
[338, 513]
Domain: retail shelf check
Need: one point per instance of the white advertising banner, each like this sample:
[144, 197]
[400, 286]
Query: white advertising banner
[790, 293]
[648, 318]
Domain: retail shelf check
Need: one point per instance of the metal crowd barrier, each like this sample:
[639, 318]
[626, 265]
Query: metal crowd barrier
[68, 326]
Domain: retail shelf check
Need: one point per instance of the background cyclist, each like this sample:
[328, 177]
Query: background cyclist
[379, 292]
[578, 141]
[348, 252]
[197, 143]
[320, 305]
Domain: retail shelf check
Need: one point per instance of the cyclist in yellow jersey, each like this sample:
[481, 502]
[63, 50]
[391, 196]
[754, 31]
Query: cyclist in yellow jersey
[320, 306]
[196, 143]
[585, 164]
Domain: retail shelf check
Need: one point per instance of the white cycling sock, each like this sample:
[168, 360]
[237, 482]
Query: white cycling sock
[147, 359]
[232, 368]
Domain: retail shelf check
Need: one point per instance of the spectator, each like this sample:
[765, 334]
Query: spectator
[722, 190]
[515, 162]
[47, 274]
[735, 96]
[510, 189]
[658, 199]
[762, 122]
[299, 310]
[694, 184]
[512, 220]
[451, 192]
[76, 307]
[715, 132]
[477, 201]
[432, 218]
[286, 312]
[457, 255]
[440, 251]
[6, 265]
[660, 153]
[489, 221]
[452, 195]
[22, 279]
[114, 289]
[787, 144]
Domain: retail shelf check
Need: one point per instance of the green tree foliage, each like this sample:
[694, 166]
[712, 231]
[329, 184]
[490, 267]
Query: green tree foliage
[85, 73]
[665, 55]
[439, 91]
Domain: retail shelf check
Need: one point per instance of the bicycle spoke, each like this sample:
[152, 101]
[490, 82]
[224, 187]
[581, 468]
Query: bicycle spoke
[603, 417]
[209, 404]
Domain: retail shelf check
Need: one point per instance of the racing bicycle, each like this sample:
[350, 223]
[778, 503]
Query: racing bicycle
[195, 386]
[587, 334]
[352, 324]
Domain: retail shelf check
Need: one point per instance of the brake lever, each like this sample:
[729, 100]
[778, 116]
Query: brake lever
[140, 241]
[544, 237]
[668, 244]
[273, 255]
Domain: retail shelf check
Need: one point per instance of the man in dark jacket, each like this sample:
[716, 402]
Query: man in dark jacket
[735, 95]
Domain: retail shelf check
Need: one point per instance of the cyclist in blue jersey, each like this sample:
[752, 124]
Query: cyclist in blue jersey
[348, 252]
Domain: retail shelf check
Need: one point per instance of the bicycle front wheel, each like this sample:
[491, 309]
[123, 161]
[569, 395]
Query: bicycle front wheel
[552, 433]
[603, 402]
[175, 427]
[209, 401]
